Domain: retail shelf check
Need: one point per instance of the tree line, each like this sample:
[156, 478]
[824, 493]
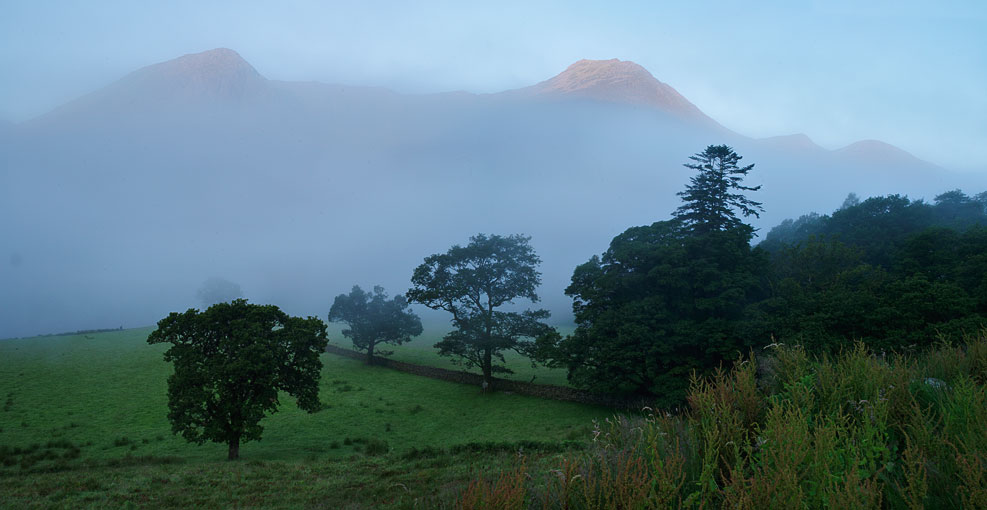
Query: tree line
[894, 273]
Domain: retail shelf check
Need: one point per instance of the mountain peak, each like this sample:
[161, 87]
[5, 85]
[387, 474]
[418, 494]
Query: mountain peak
[214, 59]
[219, 73]
[613, 73]
[619, 81]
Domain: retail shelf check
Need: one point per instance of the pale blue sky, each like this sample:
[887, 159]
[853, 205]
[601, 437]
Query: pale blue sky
[913, 74]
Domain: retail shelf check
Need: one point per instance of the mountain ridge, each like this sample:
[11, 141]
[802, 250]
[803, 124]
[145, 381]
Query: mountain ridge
[223, 76]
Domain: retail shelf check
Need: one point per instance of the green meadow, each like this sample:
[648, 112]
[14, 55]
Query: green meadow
[421, 351]
[94, 407]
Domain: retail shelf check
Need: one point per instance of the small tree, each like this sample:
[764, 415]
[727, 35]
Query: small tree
[711, 196]
[218, 290]
[231, 361]
[851, 200]
[374, 320]
[472, 282]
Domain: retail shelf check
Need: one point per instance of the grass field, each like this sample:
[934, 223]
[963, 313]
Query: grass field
[93, 407]
[420, 350]
[427, 482]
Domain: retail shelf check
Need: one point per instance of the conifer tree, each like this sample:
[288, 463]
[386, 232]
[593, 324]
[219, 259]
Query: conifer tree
[713, 194]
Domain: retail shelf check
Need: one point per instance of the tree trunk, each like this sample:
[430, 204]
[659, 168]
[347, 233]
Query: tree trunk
[487, 371]
[488, 352]
[234, 449]
[370, 354]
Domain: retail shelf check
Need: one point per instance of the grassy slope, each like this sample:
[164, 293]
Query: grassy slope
[421, 350]
[107, 395]
[113, 386]
[354, 483]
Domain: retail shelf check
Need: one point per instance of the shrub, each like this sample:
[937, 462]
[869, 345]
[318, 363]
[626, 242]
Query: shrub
[376, 447]
[424, 453]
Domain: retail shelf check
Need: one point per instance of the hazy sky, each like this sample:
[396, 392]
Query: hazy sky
[913, 74]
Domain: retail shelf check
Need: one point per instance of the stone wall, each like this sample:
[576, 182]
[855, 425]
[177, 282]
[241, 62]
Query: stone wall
[504, 385]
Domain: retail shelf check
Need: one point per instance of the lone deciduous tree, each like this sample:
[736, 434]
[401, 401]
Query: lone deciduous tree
[231, 361]
[373, 319]
[472, 282]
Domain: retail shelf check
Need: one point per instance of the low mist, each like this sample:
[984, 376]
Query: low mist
[115, 209]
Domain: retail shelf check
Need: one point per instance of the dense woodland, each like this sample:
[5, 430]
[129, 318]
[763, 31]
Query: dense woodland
[673, 297]
[891, 272]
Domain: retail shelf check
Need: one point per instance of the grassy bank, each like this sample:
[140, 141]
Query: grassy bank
[427, 480]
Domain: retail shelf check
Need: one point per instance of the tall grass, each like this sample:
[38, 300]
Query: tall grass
[782, 429]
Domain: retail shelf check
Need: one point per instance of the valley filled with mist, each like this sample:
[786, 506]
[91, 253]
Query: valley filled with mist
[117, 206]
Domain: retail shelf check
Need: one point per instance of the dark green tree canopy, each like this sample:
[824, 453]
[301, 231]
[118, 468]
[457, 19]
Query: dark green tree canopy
[879, 226]
[231, 361]
[955, 209]
[373, 319]
[713, 194]
[894, 273]
[656, 306]
[472, 283]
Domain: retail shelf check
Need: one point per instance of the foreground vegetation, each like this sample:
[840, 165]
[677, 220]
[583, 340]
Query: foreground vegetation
[782, 430]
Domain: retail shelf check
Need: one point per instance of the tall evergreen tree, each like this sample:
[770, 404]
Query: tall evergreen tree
[714, 193]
